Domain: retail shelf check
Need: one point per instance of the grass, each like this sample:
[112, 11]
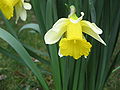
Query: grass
[19, 77]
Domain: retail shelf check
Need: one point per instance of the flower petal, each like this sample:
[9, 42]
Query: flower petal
[52, 37]
[23, 14]
[92, 33]
[61, 21]
[18, 9]
[20, 12]
[92, 26]
[54, 34]
[27, 6]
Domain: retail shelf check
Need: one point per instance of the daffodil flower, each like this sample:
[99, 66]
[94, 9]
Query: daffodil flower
[7, 7]
[70, 30]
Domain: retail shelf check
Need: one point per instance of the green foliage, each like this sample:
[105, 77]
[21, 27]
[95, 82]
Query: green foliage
[69, 74]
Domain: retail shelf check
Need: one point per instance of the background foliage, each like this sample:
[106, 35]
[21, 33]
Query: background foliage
[90, 74]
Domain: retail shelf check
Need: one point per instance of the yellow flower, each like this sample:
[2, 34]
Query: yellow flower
[7, 7]
[70, 30]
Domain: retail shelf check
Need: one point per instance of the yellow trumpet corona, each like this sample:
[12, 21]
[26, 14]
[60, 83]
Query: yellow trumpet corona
[70, 30]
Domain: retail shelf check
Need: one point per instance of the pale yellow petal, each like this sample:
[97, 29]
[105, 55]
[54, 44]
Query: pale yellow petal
[55, 33]
[92, 26]
[51, 37]
[62, 21]
[93, 34]
[23, 14]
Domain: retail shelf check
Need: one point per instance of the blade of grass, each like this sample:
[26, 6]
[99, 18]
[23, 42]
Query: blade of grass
[116, 61]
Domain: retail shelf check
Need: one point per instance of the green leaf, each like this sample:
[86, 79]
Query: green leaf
[66, 73]
[99, 6]
[76, 74]
[61, 8]
[39, 9]
[55, 66]
[92, 11]
[32, 26]
[49, 14]
[24, 55]
[81, 83]
[34, 53]
[9, 27]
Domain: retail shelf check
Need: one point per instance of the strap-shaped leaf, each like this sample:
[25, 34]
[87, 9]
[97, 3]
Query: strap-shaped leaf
[23, 54]
[33, 26]
[9, 26]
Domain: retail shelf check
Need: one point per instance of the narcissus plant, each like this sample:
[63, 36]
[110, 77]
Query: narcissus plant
[70, 30]
[7, 7]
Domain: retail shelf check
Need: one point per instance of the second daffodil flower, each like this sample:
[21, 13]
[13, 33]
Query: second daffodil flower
[70, 30]
[7, 8]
